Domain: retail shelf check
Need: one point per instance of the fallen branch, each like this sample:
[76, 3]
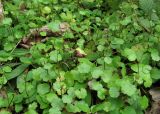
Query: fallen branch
[34, 34]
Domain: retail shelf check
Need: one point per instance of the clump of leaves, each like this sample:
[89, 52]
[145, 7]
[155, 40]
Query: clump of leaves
[87, 56]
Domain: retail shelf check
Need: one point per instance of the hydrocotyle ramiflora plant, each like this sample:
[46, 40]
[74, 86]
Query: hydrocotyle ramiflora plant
[78, 56]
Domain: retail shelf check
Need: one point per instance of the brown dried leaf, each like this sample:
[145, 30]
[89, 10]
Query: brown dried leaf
[64, 27]
[155, 105]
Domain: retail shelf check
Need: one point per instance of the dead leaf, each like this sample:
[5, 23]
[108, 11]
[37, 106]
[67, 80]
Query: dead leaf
[1, 11]
[155, 93]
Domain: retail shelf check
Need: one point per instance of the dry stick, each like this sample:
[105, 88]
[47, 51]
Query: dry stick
[63, 27]
[15, 46]
[1, 15]
[1, 11]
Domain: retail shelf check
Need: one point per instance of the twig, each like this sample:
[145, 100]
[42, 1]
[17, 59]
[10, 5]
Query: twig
[1, 11]
[63, 27]
[15, 46]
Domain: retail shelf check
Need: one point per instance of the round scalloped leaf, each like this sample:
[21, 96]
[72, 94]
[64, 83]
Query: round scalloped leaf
[43, 88]
[84, 68]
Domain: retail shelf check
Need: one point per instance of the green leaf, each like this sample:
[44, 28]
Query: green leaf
[55, 100]
[80, 43]
[157, 28]
[82, 106]
[155, 73]
[36, 73]
[16, 72]
[58, 43]
[72, 108]
[67, 16]
[130, 54]
[54, 110]
[148, 80]
[31, 111]
[129, 110]
[8, 46]
[7, 69]
[141, 68]
[42, 101]
[18, 34]
[43, 88]
[20, 84]
[116, 104]
[3, 102]
[18, 108]
[97, 107]
[33, 106]
[97, 72]
[88, 98]
[26, 60]
[3, 80]
[147, 5]
[143, 73]
[18, 98]
[54, 26]
[81, 94]
[40, 74]
[108, 60]
[114, 92]
[155, 55]
[68, 35]
[110, 50]
[55, 56]
[69, 79]
[67, 99]
[43, 33]
[144, 102]
[106, 106]
[51, 96]
[100, 47]
[102, 94]
[95, 85]
[84, 68]
[20, 52]
[117, 41]
[126, 21]
[145, 23]
[107, 76]
[46, 10]
[128, 88]
[7, 21]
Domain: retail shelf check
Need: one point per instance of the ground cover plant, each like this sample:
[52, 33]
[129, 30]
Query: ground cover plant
[78, 56]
